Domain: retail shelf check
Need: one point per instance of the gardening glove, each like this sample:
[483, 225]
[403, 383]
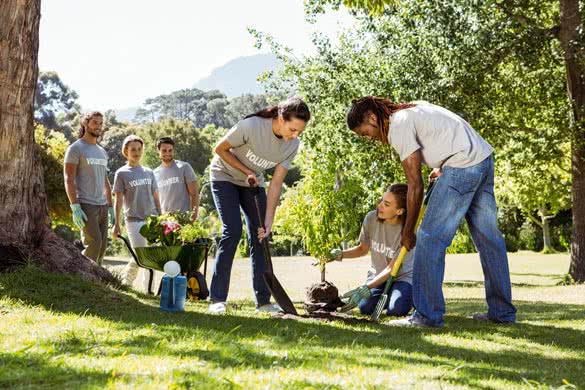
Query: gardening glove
[335, 255]
[111, 215]
[79, 216]
[355, 296]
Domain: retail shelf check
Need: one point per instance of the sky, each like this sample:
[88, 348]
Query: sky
[117, 53]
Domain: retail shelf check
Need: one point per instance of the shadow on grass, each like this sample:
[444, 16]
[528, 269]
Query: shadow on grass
[232, 340]
[25, 370]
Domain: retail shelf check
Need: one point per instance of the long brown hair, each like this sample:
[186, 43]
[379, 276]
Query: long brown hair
[85, 120]
[293, 107]
[381, 107]
[400, 190]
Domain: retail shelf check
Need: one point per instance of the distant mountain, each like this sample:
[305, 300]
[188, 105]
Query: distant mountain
[238, 76]
[235, 78]
[126, 114]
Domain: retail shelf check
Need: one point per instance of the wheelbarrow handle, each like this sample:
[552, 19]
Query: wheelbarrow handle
[129, 247]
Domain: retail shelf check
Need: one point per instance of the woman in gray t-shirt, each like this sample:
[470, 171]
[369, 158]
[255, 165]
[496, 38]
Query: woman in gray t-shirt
[381, 235]
[135, 187]
[263, 140]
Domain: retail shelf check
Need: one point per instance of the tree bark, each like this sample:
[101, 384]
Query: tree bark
[547, 246]
[574, 50]
[25, 233]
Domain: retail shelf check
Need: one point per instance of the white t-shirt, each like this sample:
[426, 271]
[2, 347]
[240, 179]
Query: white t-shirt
[256, 146]
[443, 138]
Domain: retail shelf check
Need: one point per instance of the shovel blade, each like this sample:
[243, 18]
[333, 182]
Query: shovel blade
[379, 308]
[280, 296]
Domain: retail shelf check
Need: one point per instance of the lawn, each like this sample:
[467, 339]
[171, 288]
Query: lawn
[59, 332]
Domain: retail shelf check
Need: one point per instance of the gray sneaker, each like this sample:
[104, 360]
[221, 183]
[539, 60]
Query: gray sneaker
[410, 322]
[483, 317]
[269, 308]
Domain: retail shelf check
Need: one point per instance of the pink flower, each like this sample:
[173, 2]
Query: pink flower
[170, 227]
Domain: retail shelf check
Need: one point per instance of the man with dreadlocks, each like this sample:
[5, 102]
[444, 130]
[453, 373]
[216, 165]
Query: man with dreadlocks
[425, 133]
[88, 188]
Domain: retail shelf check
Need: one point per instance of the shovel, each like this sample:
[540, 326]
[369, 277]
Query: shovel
[276, 289]
[384, 297]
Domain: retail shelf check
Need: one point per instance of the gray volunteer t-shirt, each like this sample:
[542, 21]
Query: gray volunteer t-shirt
[256, 146]
[92, 167]
[444, 138]
[384, 241]
[138, 186]
[172, 186]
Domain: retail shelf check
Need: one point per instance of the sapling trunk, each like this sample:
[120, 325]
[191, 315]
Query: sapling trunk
[322, 263]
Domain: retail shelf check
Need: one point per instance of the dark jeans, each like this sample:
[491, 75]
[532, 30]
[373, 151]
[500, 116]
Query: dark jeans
[399, 300]
[228, 199]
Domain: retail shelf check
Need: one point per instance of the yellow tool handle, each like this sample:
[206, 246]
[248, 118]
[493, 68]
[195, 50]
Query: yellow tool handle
[403, 250]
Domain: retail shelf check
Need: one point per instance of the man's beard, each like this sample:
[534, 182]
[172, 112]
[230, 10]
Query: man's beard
[168, 159]
[94, 133]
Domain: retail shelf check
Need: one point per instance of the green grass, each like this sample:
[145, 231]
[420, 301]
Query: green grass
[59, 332]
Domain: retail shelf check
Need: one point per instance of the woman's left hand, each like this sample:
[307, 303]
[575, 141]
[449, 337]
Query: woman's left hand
[264, 233]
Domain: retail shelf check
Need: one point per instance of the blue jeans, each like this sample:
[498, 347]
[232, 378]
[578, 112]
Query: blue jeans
[228, 199]
[398, 304]
[461, 192]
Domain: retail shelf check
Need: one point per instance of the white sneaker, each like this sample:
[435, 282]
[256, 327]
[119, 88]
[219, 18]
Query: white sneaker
[269, 308]
[217, 308]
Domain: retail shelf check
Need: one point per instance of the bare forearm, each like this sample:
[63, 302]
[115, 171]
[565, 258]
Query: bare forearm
[272, 201]
[195, 202]
[157, 202]
[356, 251]
[414, 199]
[232, 160]
[193, 189]
[118, 207]
[380, 278]
[70, 189]
[108, 192]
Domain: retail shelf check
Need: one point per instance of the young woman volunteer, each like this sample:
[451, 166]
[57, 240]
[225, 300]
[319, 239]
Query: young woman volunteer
[263, 140]
[135, 187]
[381, 235]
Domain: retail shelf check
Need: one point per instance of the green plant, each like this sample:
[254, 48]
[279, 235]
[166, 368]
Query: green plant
[322, 208]
[172, 229]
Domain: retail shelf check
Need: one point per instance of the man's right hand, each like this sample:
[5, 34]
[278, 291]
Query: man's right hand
[78, 216]
[435, 173]
[408, 240]
[116, 232]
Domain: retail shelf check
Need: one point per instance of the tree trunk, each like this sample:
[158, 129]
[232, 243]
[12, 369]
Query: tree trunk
[572, 43]
[25, 232]
[547, 247]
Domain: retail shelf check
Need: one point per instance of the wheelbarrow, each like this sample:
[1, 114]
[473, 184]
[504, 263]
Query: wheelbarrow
[153, 258]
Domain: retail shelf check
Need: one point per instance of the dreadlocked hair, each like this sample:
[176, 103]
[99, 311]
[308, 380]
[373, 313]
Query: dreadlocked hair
[381, 107]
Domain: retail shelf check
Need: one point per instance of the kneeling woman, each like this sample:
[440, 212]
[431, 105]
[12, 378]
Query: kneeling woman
[381, 235]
